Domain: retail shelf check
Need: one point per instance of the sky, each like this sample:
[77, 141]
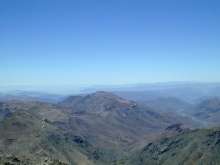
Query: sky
[89, 42]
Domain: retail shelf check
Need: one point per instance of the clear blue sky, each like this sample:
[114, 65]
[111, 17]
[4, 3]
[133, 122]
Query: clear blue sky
[75, 42]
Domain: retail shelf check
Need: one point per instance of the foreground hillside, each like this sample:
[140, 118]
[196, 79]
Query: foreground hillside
[198, 147]
[28, 136]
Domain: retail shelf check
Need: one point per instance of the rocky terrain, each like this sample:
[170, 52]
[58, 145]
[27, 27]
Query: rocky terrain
[102, 128]
[186, 148]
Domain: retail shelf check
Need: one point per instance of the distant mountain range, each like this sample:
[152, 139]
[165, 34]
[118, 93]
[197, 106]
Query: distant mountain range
[30, 95]
[186, 91]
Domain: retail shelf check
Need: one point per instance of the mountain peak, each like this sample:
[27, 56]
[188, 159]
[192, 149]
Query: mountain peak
[103, 93]
[99, 101]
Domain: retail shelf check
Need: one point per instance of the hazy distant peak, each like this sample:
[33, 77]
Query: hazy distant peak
[101, 93]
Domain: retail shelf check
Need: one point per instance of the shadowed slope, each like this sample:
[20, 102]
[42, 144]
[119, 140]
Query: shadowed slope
[190, 147]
